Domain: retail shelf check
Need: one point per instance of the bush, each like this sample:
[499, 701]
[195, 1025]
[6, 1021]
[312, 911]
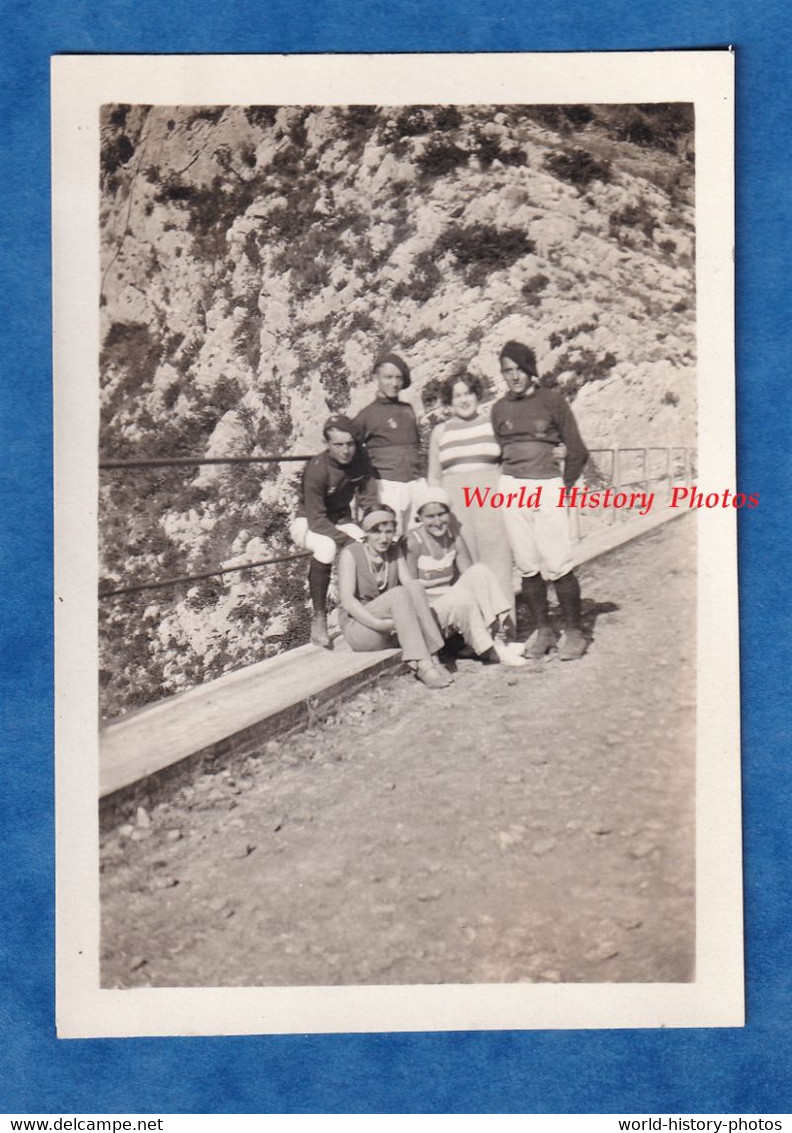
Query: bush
[359, 123]
[655, 125]
[213, 209]
[414, 121]
[531, 289]
[560, 118]
[637, 215]
[583, 365]
[669, 398]
[361, 321]
[489, 150]
[424, 281]
[261, 116]
[482, 248]
[579, 168]
[547, 116]
[440, 158]
[447, 118]
[557, 338]
[578, 115]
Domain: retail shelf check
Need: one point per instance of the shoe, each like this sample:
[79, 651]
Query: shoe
[540, 642]
[573, 645]
[428, 675]
[319, 635]
[509, 656]
[515, 647]
[441, 669]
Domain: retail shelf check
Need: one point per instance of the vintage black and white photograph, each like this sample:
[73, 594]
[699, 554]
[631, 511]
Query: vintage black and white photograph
[404, 503]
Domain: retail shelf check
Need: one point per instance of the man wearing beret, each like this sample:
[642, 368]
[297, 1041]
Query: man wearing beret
[324, 524]
[389, 430]
[529, 422]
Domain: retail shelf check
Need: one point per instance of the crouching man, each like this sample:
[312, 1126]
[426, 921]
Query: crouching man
[324, 523]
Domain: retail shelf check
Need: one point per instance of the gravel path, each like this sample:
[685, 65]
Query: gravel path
[518, 826]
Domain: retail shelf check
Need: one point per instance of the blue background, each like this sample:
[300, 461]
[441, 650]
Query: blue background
[735, 1070]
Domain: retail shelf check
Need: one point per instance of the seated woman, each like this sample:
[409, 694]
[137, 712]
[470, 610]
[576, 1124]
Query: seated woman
[380, 601]
[464, 596]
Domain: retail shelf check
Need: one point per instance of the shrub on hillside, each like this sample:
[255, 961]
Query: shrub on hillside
[359, 124]
[547, 116]
[659, 125]
[579, 367]
[637, 215]
[578, 114]
[563, 119]
[212, 208]
[482, 248]
[489, 150]
[416, 121]
[261, 116]
[532, 288]
[424, 281]
[579, 168]
[441, 158]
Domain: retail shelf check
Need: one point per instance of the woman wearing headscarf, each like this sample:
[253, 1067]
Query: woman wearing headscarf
[381, 604]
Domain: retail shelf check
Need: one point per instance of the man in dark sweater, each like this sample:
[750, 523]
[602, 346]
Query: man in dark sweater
[529, 422]
[324, 524]
[389, 430]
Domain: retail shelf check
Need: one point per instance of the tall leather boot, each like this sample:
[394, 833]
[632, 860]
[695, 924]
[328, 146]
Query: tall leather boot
[534, 590]
[318, 585]
[573, 645]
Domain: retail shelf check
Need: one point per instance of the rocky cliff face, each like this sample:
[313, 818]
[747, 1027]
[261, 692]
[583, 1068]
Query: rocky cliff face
[254, 261]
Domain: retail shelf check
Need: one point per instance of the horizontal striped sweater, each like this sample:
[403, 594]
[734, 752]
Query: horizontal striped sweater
[464, 446]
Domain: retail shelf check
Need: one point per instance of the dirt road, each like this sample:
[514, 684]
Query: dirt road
[518, 826]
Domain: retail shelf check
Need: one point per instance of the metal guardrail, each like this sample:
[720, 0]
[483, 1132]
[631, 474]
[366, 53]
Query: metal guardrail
[614, 480]
[182, 461]
[193, 461]
[676, 467]
[178, 579]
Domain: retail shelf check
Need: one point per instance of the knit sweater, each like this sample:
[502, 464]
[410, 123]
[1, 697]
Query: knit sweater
[464, 446]
[390, 433]
[528, 426]
[435, 559]
[327, 491]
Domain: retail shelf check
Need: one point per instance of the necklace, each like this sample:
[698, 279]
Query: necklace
[378, 567]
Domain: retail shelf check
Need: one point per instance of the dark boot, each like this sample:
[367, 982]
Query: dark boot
[573, 645]
[318, 585]
[534, 590]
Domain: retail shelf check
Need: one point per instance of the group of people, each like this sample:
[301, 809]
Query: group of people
[424, 560]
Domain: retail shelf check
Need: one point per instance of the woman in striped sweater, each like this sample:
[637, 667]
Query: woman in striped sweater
[463, 453]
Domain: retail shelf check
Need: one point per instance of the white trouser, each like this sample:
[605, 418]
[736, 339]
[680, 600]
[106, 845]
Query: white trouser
[539, 537]
[401, 496]
[472, 606]
[323, 548]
